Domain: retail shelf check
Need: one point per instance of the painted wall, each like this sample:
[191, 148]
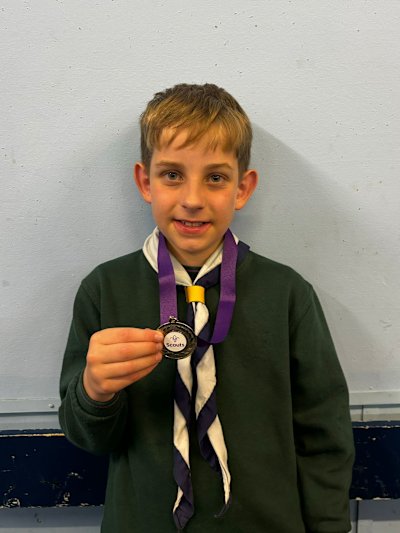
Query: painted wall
[320, 82]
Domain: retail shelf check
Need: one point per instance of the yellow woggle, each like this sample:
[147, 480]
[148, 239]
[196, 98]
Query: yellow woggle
[195, 293]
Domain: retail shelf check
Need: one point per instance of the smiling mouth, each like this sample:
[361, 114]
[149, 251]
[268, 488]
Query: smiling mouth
[189, 224]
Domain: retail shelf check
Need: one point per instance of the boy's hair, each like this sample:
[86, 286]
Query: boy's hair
[199, 109]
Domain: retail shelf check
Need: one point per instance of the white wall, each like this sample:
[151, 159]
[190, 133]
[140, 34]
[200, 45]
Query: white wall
[320, 82]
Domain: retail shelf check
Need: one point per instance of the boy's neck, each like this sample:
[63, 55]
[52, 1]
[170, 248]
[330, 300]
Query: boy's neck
[192, 271]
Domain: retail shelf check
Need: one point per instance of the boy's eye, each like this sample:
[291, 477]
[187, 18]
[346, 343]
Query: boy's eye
[172, 176]
[216, 178]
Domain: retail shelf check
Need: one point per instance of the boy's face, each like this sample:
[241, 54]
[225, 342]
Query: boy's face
[194, 192]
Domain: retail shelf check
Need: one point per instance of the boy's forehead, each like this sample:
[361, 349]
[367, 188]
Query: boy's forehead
[177, 139]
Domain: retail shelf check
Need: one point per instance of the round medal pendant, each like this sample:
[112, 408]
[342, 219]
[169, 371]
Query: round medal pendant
[179, 339]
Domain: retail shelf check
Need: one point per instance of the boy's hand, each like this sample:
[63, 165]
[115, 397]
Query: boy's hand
[117, 357]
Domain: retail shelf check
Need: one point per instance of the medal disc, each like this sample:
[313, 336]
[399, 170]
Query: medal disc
[179, 339]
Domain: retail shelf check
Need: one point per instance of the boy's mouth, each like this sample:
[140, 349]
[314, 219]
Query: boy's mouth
[191, 227]
[190, 224]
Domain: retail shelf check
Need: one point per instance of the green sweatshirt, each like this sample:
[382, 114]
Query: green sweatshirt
[282, 401]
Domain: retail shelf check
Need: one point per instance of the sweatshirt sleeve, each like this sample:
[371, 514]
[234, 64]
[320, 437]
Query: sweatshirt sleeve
[94, 426]
[322, 425]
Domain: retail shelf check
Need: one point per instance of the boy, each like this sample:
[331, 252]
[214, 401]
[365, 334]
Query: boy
[251, 331]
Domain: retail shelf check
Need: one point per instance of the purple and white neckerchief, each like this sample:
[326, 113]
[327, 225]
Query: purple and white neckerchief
[201, 363]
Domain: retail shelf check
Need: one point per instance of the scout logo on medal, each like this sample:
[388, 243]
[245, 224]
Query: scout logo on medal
[179, 339]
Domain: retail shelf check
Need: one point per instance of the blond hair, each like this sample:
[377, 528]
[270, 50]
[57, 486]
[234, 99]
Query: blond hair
[199, 109]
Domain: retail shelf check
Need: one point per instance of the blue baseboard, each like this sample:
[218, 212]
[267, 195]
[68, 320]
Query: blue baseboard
[42, 469]
[376, 472]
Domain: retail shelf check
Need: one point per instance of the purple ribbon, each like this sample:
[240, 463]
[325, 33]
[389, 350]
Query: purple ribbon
[166, 280]
[167, 283]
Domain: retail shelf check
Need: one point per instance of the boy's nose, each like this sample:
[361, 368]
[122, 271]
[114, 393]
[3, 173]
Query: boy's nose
[192, 196]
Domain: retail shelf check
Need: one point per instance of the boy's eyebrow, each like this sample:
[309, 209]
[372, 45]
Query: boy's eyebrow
[219, 165]
[165, 163]
[176, 164]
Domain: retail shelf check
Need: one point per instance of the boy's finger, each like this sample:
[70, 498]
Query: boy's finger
[130, 368]
[120, 383]
[127, 351]
[122, 335]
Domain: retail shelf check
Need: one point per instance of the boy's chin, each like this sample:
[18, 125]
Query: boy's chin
[192, 255]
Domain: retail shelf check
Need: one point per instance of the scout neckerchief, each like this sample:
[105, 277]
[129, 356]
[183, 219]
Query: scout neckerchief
[180, 343]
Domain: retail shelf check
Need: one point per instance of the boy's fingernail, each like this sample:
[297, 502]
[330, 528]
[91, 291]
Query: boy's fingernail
[158, 337]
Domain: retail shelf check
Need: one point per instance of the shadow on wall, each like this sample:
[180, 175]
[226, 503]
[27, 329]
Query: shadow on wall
[306, 218]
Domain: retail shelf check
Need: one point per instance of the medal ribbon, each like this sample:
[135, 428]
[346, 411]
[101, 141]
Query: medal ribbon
[168, 298]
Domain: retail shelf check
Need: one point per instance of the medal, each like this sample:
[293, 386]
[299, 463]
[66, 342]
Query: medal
[179, 339]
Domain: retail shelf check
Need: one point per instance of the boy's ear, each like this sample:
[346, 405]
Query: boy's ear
[246, 187]
[142, 181]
